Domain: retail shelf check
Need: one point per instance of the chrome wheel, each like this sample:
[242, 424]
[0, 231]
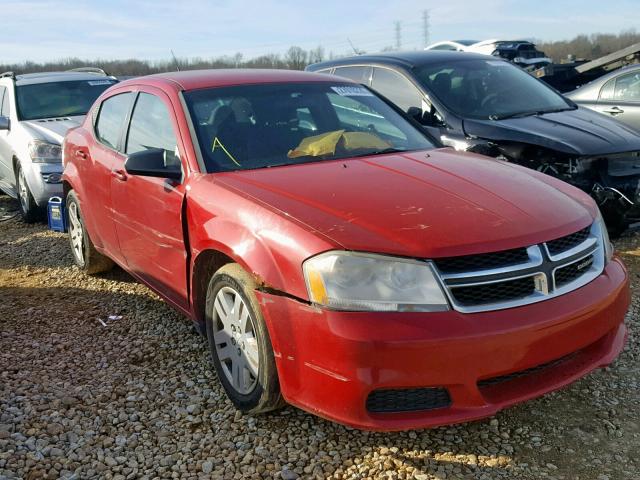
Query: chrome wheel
[235, 340]
[75, 233]
[23, 191]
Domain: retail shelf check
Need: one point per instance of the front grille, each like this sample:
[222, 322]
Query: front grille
[511, 278]
[567, 243]
[569, 273]
[523, 373]
[407, 400]
[494, 292]
[483, 261]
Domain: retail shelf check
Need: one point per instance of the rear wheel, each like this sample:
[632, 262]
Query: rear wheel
[239, 342]
[28, 207]
[84, 253]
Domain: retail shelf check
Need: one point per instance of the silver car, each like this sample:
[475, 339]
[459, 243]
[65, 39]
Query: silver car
[616, 94]
[36, 111]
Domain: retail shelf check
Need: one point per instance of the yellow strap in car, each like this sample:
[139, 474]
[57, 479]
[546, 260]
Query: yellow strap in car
[218, 143]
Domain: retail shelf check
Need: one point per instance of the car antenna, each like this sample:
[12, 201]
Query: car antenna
[355, 50]
[175, 60]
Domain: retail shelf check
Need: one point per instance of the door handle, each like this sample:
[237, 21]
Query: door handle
[613, 110]
[119, 174]
[81, 154]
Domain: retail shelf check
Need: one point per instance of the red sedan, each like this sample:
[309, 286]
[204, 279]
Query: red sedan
[337, 258]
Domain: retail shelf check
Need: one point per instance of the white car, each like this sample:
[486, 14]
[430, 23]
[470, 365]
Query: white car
[520, 52]
[36, 111]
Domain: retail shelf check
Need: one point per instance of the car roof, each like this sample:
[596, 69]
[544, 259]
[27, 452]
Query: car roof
[46, 77]
[196, 79]
[403, 59]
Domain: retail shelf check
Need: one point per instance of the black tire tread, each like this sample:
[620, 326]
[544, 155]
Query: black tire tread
[94, 261]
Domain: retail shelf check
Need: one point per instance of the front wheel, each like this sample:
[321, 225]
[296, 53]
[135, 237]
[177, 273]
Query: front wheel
[85, 255]
[28, 207]
[239, 342]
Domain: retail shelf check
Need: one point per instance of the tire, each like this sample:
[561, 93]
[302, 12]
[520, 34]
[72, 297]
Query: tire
[241, 350]
[85, 255]
[28, 208]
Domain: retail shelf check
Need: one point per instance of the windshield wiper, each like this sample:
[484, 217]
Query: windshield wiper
[379, 152]
[530, 113]
[504, 116]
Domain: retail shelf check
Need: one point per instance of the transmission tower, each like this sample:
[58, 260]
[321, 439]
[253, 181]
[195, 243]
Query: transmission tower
[425, 27]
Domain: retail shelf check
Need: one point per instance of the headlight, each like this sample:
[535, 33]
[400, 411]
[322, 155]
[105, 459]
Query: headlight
[368, 282]
[44, 152]
[606, 242]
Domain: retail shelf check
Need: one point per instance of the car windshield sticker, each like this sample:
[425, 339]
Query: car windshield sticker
[354, 91]
[218, 143]
[495, 63]
[93, 83]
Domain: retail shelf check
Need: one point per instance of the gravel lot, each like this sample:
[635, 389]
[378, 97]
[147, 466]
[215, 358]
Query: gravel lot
[139, 399]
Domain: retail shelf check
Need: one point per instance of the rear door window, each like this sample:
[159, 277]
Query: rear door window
[397, 88]
[111, 119]
[358, 74]
[151, 128]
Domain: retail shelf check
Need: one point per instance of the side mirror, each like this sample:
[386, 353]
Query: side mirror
[153, 163]
[428, 119]
[4, 123]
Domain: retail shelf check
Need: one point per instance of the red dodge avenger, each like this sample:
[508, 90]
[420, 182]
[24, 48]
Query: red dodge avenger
[338, 258]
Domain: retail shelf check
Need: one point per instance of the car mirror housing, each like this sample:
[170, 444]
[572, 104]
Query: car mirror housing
[4, 123]
[152, 163]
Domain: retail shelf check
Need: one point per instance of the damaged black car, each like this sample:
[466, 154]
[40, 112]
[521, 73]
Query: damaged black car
[490, 106]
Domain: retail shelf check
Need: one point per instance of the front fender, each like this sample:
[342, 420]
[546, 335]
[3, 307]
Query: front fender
[263, 242]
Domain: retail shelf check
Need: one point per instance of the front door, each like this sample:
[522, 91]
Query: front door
[148, 211]
[620, 99]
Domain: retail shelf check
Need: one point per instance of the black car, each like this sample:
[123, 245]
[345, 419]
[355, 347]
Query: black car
[488, 105]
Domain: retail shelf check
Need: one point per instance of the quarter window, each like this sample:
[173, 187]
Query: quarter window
[151, 128]
[396, 88]
[4, 102]
[111, 119]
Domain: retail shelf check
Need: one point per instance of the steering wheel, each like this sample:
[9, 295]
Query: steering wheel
[489, 100]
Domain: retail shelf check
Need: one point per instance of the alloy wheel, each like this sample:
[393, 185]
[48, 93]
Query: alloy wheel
[235, 341]
[76, 233]
[23, 191]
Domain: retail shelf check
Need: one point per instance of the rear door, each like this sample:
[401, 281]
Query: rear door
[620, 98]
[148, 211]
[97, 163]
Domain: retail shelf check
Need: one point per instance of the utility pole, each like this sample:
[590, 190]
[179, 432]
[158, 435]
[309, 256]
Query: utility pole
[398, 36]
[425, 27]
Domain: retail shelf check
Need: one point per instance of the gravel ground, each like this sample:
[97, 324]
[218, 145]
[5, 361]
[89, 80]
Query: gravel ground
[139, 399]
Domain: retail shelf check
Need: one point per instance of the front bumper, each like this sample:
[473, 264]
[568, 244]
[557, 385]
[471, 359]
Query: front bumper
[329, 362]
[41, 178]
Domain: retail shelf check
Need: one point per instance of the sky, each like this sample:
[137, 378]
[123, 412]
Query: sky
[40, 30]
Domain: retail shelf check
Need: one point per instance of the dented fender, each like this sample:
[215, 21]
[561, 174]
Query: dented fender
[271, 247]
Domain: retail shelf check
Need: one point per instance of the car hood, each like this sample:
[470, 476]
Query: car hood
[577, 132]
[422, 204]
[51, 129]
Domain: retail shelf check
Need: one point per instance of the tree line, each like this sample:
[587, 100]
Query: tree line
[583, 46]
[295, 58]
[589, 47]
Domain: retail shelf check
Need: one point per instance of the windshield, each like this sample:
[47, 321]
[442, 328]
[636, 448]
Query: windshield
[257, 126]
[58, 99]
[488, 89]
